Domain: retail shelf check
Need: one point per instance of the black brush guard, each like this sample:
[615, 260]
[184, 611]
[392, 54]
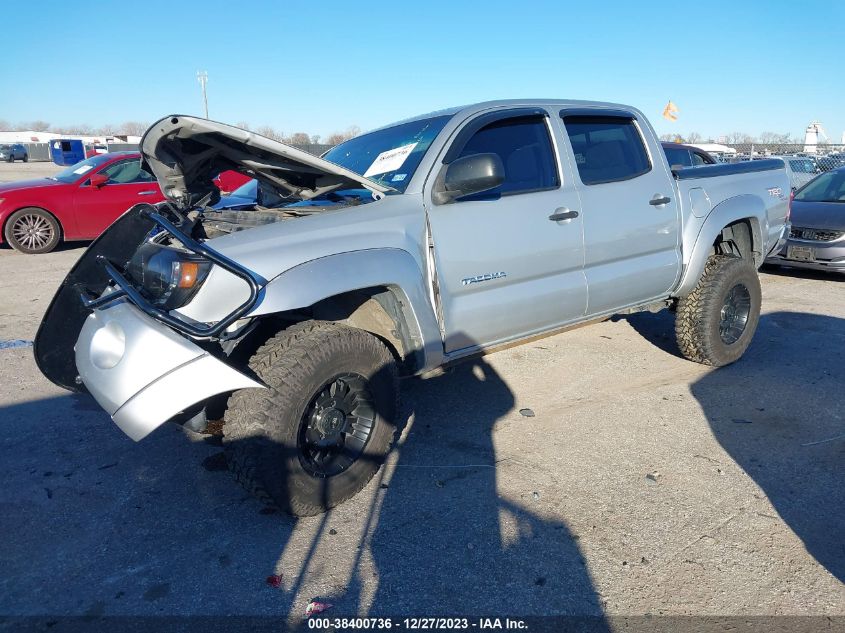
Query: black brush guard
[81, 292]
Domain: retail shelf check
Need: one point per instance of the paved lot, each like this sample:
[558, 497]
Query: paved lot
[644, 484]
[22, 171]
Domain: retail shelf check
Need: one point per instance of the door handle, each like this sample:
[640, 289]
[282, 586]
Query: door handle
[563, 213]
[659, 201]
[146, 193]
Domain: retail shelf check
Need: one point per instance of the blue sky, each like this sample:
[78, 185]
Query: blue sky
[319, 67]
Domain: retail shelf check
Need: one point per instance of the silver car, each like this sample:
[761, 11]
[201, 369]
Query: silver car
[399, 251]
[817, 237]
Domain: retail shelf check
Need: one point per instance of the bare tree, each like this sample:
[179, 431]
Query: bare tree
[315, 139]
[269, 132]
[243, 125]
[778, 139]
[38, 126]
[338, 137]
[80, 129]
[133, 128]
[4, 125]
[694, 137]
[671, 138]
[298, 138]
[735, 138]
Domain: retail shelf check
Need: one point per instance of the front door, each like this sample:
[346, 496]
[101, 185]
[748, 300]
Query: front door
[127, 185]
[504, 268]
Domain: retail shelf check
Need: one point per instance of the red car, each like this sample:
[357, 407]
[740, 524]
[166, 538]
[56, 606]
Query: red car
[78, 203]
[228, 181]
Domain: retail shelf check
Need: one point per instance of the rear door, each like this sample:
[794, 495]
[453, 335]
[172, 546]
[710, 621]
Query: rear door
[630, 216]
[504, 267]
[128, 184]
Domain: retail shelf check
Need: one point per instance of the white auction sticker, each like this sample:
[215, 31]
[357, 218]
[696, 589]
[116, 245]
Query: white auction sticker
[83, 169]
[390, 160]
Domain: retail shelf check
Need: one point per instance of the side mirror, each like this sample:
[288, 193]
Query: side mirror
[98, 180]
[468, 175]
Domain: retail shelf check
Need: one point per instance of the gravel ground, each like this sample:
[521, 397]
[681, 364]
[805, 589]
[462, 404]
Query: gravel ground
[643, 484]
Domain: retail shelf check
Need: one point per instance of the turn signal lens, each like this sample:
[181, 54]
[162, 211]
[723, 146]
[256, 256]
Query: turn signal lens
[188, 273]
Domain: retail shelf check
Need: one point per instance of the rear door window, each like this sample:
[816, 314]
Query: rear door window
[607, 148]
[524, 145]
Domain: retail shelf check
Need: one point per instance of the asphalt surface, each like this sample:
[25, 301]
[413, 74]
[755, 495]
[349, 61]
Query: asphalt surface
[643, 483]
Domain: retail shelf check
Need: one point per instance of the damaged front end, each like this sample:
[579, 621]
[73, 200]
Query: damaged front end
[114, 328]
[109, 329]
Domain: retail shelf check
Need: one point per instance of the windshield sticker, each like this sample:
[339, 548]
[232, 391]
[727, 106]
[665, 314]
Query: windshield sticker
[390, 160]
[83, 169]
[399, 177]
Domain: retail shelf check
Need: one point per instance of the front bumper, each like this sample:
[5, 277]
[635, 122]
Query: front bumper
[143, 373]
[826, 255]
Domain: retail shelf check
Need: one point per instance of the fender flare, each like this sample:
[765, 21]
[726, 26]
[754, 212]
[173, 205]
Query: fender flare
[310, 282]
[744, 207]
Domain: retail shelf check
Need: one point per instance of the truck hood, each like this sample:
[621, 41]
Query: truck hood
[186, 153]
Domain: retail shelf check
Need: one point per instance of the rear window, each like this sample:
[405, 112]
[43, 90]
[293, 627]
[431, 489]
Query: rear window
[677, 156]
[607, 149]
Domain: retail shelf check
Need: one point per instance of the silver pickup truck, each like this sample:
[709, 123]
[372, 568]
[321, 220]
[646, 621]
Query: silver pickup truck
[404, 249]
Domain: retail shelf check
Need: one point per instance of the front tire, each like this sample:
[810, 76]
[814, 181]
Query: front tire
[26, 158]
[321, 430]
[715, 323]
[32, 231]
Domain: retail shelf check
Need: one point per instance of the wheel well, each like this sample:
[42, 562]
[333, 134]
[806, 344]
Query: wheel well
[738, 239]
[377, 310]
[47, 211]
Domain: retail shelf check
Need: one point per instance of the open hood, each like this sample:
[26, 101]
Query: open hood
[186, 153]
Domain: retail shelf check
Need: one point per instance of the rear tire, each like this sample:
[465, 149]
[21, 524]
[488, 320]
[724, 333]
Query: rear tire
[26, 158]
[32, 231]
[274, 437]
[715, 323]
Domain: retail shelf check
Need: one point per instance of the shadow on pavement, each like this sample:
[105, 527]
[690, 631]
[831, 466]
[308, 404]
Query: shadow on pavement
[779, 412]
[137, 529]
[446, 542]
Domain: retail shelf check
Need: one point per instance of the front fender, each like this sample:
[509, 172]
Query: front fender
[393, 268]
[307, 283]
[745, 207]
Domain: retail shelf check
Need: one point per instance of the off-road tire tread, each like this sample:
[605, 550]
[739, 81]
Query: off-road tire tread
[694, 313]
[250, 411]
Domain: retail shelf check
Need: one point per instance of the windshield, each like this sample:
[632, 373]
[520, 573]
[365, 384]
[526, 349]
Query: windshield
[829, 187]
[389, 156]
[74, 172]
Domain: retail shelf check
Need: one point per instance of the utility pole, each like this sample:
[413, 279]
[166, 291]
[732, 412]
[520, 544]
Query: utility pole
[202, 77]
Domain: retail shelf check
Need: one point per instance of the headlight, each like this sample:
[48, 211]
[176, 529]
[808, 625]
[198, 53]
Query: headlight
[167, 277]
